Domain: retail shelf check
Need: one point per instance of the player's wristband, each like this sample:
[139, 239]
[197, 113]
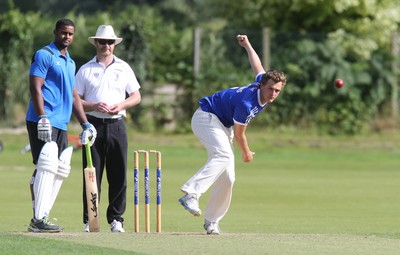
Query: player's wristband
[85, 125]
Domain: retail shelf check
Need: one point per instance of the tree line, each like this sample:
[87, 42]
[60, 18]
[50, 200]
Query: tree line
[313, 42]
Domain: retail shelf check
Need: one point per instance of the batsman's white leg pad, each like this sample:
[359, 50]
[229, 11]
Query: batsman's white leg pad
[64, 167]
[46, 166]
[64, 163]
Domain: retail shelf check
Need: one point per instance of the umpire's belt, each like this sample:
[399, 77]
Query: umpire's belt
[104, 120]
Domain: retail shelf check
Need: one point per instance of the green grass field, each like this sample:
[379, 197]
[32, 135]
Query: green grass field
[302, 194]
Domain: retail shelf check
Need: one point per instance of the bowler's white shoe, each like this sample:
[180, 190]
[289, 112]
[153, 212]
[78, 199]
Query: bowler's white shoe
[116, 226]
[191, 203]
[212, 228]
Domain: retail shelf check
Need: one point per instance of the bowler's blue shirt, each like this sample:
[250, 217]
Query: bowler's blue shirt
[235, 105]
[58, 72]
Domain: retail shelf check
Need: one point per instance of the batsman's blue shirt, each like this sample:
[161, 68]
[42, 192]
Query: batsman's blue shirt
[58, 72]
[235, 105]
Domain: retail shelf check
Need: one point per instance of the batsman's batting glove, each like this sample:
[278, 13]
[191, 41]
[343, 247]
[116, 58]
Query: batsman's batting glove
[44, 129]
[88, 134]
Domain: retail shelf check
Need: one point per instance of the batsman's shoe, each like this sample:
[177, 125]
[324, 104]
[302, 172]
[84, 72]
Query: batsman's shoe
[44, 226]
[86, 229]
[212, 228]
[191, 204]
[116, 226]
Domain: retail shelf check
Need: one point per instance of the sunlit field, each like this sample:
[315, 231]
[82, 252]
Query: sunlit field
[302, 194]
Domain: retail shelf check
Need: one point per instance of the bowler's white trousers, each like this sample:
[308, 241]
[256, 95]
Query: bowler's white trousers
[219, 171]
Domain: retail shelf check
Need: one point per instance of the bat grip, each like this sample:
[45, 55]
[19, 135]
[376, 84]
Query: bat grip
[88, 155]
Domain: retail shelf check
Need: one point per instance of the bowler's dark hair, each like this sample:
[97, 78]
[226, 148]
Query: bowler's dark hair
[64, 22]
[274, 75]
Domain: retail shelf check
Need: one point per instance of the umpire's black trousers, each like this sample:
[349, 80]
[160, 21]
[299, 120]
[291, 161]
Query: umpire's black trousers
[109, 151]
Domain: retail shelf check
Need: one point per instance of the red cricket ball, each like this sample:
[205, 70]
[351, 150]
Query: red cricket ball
[339, 83]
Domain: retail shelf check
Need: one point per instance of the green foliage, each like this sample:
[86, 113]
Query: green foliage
[17, 33]
[310, 98]
[159, 54]
[313, 42]
[342, 45]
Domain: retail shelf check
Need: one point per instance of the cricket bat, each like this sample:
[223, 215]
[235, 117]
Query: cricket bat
[92, 195]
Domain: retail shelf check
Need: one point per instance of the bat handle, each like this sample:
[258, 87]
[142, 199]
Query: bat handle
[88, 154]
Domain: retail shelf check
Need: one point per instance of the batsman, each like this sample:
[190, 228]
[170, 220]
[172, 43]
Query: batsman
[53, 98]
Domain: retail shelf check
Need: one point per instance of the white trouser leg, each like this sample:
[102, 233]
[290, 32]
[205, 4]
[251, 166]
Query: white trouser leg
[219, 168]
[220, 198]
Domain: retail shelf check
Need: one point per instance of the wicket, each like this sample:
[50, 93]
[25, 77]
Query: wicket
[146, 189]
